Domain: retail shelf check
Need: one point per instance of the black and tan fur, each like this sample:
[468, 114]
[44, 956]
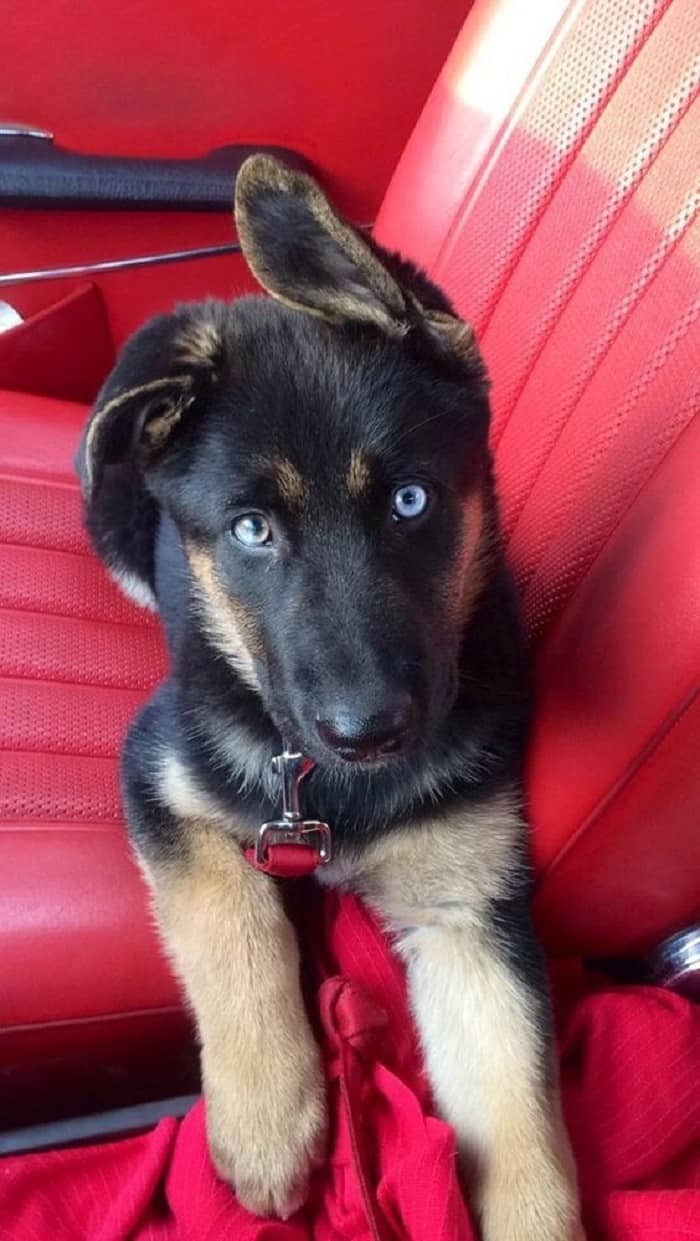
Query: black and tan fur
[312, 409]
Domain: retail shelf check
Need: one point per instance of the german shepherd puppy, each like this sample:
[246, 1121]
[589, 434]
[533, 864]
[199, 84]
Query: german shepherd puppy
[302, 485]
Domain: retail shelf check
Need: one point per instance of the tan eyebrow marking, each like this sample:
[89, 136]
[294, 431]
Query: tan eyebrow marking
[358, 475]
[290, 483]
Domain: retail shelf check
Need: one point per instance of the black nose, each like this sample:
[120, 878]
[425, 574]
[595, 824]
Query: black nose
[355, 735]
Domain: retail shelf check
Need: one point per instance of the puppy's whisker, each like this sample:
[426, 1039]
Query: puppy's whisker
[393, 444]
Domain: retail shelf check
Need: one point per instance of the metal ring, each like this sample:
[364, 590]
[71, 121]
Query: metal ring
[676, 963]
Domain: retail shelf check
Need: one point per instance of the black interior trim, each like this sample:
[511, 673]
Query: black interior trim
[93, 1128]
[40, 174]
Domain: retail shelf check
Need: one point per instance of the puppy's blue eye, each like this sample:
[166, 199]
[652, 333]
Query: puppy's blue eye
[409, 501]
[252, 530]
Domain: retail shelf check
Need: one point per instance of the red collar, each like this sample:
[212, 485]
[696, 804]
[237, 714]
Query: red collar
[287, 861]
[291, 849]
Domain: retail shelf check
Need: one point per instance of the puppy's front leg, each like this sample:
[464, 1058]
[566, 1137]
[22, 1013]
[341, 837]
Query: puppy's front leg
[237, 955]
[454, 891]
[487, 1058]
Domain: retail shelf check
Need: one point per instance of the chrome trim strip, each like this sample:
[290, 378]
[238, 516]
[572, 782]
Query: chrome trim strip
[9, 130]
[143, 260]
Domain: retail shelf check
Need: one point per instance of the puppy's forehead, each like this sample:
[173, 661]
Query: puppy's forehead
[300, 368]
[307, 411]
[304, 377]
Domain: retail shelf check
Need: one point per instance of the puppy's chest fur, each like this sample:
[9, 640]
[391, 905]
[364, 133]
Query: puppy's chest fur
[415, 856]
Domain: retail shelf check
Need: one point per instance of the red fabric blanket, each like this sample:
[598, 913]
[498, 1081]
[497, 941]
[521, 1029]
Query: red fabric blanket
[631, 1078]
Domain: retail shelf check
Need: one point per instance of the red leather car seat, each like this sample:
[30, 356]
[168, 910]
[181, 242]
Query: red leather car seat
[549, 187]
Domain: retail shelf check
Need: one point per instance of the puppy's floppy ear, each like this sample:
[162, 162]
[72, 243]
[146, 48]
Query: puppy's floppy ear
[305, 255]
[161, 373]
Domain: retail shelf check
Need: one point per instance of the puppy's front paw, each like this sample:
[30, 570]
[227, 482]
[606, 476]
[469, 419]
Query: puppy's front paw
[530, 1204]
[266, 1134]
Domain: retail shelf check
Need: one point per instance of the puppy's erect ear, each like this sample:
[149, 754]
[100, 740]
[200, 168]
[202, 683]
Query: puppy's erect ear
[161, 373]
[305, 255]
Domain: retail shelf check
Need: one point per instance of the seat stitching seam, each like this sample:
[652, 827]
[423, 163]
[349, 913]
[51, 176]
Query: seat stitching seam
[40, 480]
[643, 485]
[79, 553]
[12, 609]
[113, 826]
[658, 738]
[78, 754]
[27, 1027]
[47, 680]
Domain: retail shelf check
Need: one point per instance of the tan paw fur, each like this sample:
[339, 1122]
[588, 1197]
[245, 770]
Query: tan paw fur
[267, 1133]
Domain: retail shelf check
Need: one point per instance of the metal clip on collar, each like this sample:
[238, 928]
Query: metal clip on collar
[291, 846]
